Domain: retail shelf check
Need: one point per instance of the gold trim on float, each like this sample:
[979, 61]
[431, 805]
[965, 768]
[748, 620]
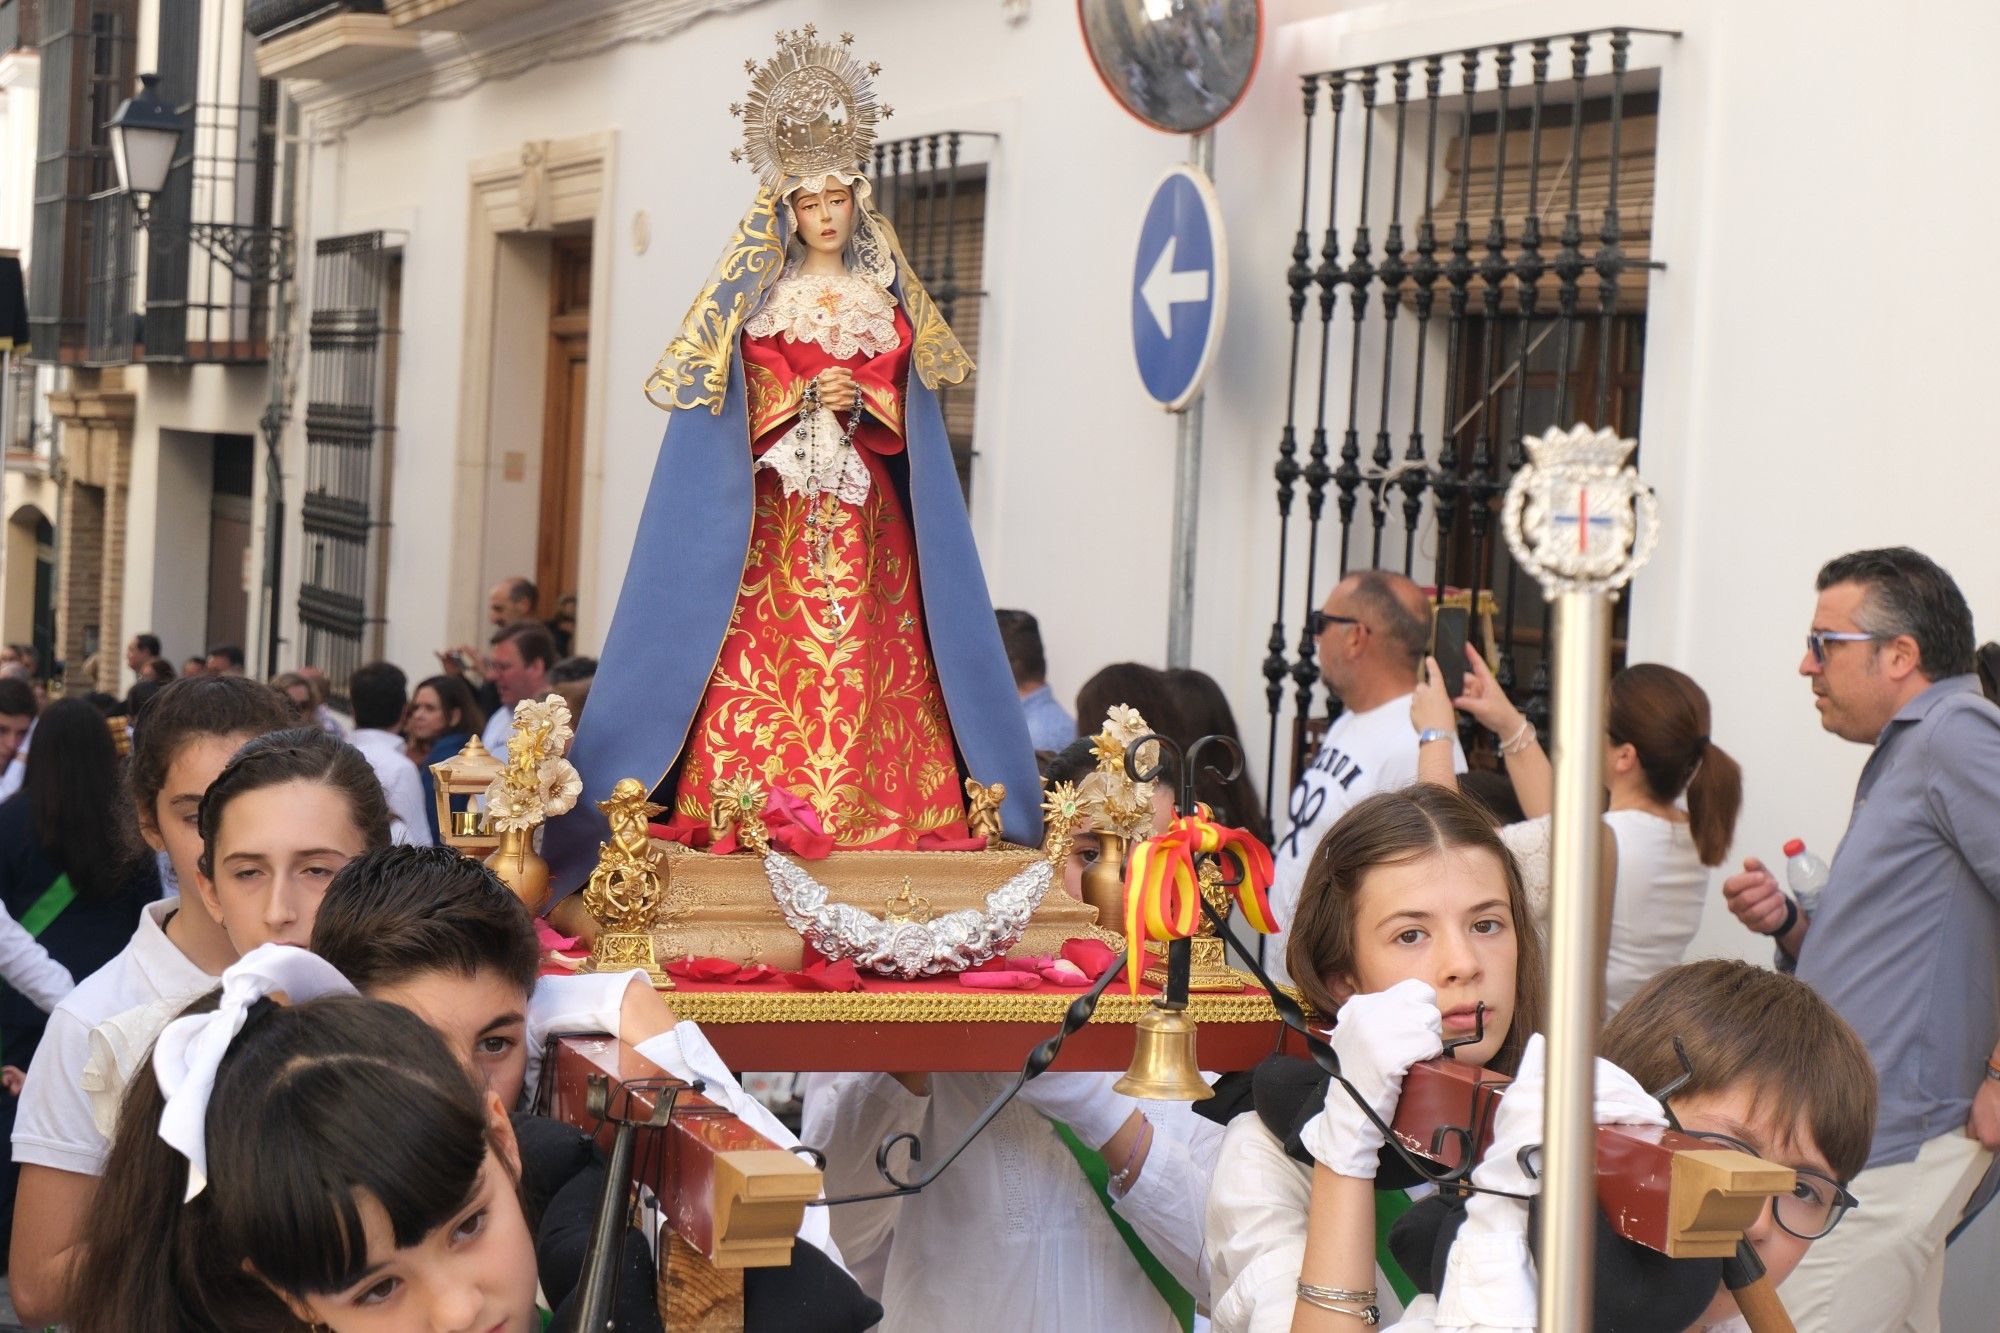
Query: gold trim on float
[722, 1006]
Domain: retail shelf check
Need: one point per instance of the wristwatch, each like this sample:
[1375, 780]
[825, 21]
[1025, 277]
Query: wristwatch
[1429, 734]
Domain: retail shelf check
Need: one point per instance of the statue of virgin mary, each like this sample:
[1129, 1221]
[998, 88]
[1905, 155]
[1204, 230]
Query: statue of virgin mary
[804, 605]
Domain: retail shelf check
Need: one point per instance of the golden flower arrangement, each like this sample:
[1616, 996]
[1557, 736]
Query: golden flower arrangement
[538, 783]
[1109, 799]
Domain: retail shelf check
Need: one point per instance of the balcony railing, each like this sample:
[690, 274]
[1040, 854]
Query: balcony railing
[264, 17]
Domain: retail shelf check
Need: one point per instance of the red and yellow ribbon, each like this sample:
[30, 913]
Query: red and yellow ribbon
[1163, 890]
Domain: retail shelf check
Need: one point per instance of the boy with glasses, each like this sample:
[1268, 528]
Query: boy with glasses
[1771, 1069]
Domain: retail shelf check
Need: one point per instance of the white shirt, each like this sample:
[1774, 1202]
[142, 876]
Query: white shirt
[1012, 1235]
[17, 767]
[1362, 753]
[28, 967]
[1661, 889]
[54, 1124]
[401, 783]
[498, 728]
[1255, 1224]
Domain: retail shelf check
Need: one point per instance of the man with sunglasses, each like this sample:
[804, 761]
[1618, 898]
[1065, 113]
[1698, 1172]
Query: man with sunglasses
[1372, 635]
[1904, 941]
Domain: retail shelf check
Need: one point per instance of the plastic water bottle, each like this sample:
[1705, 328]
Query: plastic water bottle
[1805, 873]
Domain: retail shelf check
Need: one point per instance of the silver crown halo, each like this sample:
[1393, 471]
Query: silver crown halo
[811, 108]
[1577, 516]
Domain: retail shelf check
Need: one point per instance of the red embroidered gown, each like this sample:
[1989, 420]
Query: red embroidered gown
[825, 685]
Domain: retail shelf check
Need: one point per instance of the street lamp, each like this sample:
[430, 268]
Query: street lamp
[145, 134]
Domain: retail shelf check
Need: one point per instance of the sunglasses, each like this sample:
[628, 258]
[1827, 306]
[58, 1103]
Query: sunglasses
[1816, 1203]
[1318, 621]
[1818, 639]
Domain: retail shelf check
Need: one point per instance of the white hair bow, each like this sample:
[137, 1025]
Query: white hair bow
[190, 1050]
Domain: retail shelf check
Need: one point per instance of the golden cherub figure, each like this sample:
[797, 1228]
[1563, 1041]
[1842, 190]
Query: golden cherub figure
[624, 892]
[982, 809]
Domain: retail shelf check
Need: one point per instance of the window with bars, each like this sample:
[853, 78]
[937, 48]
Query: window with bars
[936, 200]
[87, 55]
[1484, 222]
[350, 348]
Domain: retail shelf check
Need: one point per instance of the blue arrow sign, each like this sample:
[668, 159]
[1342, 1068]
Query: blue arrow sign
[1179, 286]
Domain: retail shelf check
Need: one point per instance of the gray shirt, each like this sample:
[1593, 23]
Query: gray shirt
[1905, 943]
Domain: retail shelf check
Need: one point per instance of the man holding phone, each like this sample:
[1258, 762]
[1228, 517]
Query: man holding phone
[1373, 633]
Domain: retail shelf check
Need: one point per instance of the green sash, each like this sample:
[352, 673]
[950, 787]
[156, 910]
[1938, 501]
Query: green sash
[48, 907]
[1099, 1174]
[55, 899]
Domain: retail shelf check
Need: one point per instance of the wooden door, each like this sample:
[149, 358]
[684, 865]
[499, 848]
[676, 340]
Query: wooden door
[561, 515]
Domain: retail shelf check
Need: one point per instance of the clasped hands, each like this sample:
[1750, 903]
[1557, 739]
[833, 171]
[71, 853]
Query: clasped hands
[836, 388]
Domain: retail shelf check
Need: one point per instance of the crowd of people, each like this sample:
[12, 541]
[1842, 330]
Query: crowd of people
[252, 1016]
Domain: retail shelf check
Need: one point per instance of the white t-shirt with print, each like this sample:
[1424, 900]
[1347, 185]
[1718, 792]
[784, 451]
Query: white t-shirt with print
[1362, 753]
[54, 1125]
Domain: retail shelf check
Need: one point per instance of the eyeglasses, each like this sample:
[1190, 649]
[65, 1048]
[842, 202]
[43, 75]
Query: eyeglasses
[1317, 621]
[1818, 639]
[1816, 1203]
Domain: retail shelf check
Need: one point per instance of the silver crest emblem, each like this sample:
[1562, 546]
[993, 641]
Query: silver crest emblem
[1577, 516]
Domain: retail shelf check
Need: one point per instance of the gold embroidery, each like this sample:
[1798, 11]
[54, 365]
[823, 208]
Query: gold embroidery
[694, 368]
[770, 400]
[882, 404]
[847, 716]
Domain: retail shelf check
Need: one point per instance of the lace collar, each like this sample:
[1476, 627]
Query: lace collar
[844, 314]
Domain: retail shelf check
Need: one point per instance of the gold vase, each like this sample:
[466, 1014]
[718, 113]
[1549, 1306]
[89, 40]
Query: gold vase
[521, 868]
[1104, 882]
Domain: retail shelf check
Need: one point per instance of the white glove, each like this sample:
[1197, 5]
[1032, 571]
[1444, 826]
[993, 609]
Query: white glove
[1489, 1279]
[1084, 1102]
[1377, 1037]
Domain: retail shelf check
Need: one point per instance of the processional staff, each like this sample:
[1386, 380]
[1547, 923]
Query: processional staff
[1582, 522]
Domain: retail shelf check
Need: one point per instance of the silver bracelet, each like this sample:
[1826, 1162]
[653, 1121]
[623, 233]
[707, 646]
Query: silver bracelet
[1121, 1179]
[1520, 740]
[1319, 1299]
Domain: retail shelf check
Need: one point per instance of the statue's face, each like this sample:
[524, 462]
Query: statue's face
[825, 221]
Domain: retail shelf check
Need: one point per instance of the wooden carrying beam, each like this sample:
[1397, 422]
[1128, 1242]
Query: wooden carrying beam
[731, 1195]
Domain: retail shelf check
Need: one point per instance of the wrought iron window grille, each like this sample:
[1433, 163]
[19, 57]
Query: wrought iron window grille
[1470, 310]
[87, 49]
[936, 200]
[350, 340]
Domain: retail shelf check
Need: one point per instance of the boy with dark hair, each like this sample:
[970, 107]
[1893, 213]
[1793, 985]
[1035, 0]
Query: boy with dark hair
[439, 934]
[380, 692]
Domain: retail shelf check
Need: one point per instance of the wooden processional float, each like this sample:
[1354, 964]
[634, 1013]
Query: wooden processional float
[732, 1199]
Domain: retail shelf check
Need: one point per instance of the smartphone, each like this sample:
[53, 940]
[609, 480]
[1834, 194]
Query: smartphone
[1448, 632]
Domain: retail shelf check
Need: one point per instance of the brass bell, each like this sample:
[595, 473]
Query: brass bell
[1163, 1067]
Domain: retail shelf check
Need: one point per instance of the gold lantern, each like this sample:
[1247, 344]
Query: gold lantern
[468, 773]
